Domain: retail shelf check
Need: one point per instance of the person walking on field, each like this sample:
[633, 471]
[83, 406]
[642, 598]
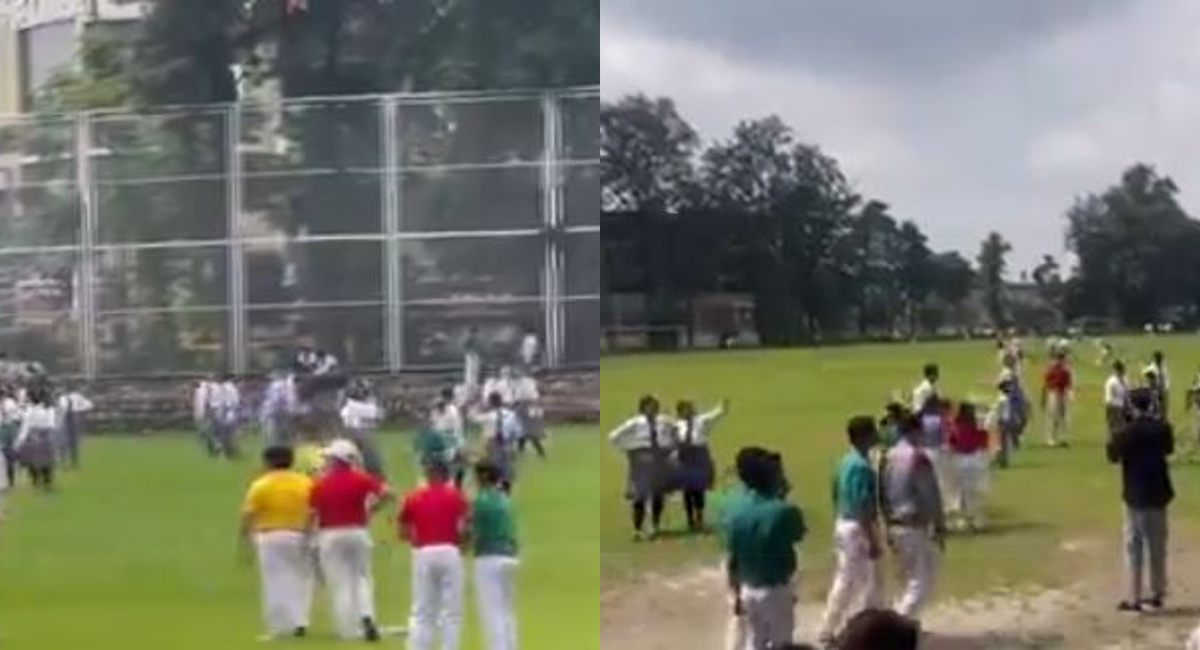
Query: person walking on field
[274, 521]
[1142, 448]
[433, 519]
[494, 541]
[858, 577]
[35, 443]
[1158, 365]
[763, 535]
[912, 507]
[926, 390]
[970, 464]
[648, 440]
[697, 471]
[1116, 399]
[343, 501]
[1056, 398]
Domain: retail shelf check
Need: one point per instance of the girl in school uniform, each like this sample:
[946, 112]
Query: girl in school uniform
[648, 440]
[696, 470]
[35, 442]
[10, 426]
[360, 417]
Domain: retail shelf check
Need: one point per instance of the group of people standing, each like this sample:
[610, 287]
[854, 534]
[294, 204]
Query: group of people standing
[665, 456]
[315, 527]
[40, 430]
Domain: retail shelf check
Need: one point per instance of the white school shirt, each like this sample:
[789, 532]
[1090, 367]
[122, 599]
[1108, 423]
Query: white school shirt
[1116, 392]
[36, 416]
[10, 411]
[74, 402]
[702, 426]
[448, 421]
[530, 348]
[200, 400]
[360, 414]
[502, 386]
[492, 422]
[224, 400]
[921, 394]
[326, 365]
[1164, 377]
[635, 433]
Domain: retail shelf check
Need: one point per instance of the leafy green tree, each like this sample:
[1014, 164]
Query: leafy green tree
[993, 263]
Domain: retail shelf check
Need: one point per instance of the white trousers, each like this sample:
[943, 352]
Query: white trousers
[1056, 417]
[917, 560]
[770, 616]
[346, 562]
[1193, 642]
[495, 591]
[941, 468]
[858, 579]
[737, 636]
[972, 474]
[437, 594]
[286, 572]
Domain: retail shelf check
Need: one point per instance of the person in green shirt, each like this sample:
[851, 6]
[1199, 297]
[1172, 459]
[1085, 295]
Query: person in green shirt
[494, 538]
[762, 537]
[431, 447]
[856, 533]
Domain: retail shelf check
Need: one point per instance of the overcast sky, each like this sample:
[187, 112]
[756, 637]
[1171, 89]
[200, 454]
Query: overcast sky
[966, 115]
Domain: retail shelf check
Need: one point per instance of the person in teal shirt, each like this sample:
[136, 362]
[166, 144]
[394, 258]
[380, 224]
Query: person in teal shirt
[494, 538]
[431, 447]
[856, 533]
[762, 537]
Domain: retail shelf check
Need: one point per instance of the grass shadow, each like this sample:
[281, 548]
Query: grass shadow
[1183, 612]
[993, 641]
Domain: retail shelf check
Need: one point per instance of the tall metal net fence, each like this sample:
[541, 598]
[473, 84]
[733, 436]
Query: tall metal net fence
[381, 229]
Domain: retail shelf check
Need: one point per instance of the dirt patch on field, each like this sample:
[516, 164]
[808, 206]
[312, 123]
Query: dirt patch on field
[690, 611]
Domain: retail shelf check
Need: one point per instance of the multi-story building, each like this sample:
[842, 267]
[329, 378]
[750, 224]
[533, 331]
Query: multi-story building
[39, 37]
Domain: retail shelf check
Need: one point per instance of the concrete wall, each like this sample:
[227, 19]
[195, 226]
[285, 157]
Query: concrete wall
[10, 81]
[148, 406]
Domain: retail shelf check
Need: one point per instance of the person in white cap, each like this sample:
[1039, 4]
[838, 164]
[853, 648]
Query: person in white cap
[343, 501]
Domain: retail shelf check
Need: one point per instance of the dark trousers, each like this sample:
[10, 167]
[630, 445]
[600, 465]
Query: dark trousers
[42, 477]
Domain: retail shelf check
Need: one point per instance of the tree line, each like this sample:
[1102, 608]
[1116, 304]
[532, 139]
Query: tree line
[763, 213]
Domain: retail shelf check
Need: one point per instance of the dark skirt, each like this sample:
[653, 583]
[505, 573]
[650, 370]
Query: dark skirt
[650, 474]
[532, 428]
[1115, 417]
[696, 472]
[504, 457]
[37, 450]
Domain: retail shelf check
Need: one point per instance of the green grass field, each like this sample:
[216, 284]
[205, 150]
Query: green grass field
[799, 400]
[137, 552]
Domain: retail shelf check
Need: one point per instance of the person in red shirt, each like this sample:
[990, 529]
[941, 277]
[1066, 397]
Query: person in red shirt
[970, 463]
[343, 500]
[1056, 395]
[433, 519]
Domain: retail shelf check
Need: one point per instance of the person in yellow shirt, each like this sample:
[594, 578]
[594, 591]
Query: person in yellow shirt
[275, 521]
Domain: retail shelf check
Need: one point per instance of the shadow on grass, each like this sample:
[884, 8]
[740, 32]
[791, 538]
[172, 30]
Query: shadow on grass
[995, 641]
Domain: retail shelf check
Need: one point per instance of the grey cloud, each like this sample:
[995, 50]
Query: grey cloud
[893, 41]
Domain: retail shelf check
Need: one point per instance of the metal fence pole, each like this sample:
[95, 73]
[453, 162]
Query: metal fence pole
[235, 251]
[552, 201]
[88, 193]
[393, 255]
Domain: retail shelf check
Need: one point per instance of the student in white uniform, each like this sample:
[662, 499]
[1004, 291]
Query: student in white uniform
[502, 385]
[527, 402]
[10, 426]
[472, 361]
[73, 408]
[696, 467]
[446, 419]
[1116, 398]
[360, 418]
[647, 439]
[501, 431]
[1159, 367]
[531, 349]
[276, 411]
[224, 411]
[326, 364]
[200, 413]
[35, 442]
[927, 389]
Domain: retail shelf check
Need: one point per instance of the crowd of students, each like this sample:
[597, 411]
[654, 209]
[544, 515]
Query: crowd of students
[40, 430]
[909, 479]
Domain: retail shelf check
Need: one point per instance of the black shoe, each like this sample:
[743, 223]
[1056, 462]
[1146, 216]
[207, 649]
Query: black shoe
[370, 632]
[1127, 606]
[300, 632]
[1151, 604]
